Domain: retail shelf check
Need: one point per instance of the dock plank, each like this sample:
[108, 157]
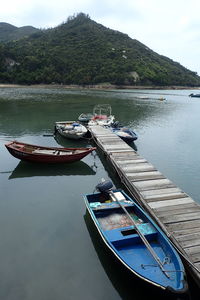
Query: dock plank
[140, 176]
[140, 167]
[165, 205]
[189, 237]
[178, 227]
[184, 232]
[172, 207]
[163, 194]
[111, 142]
[153, 184]
[181, 217]
[178, 209]
[190, 243]
[123, 151]
[135, 160]
[130, 155]
[116, 146]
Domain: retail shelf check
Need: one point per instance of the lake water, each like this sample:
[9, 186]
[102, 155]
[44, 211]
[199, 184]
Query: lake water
[49, 249]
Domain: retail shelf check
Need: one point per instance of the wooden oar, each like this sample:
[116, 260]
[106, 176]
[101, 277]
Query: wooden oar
[143, 238]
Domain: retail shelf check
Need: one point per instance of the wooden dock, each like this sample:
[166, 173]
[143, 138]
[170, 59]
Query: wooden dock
[175, 212]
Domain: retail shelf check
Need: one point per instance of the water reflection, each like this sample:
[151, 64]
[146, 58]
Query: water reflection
[27, 169]
[133, 145]
[35, 111]
[67, 143]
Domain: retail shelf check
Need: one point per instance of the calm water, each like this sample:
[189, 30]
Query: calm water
[48, 246]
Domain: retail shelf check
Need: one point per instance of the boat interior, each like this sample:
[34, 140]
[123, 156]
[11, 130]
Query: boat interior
[117, 226]
[38, 150]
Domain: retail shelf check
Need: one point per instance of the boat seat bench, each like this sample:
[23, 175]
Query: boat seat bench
[127, 235]
[108, 206]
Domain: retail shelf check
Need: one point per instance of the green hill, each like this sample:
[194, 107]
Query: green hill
[81, 51]
[9, 32]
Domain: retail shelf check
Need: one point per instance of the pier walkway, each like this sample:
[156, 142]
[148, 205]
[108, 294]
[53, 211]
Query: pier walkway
[175, 211]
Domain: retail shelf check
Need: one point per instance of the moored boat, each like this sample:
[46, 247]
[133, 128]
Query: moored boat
[125, 134]
[102, 115]
[41, 154]
[71, 129]
[135, 240]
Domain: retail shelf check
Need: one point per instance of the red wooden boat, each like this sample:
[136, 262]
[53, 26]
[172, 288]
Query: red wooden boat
[43, 154]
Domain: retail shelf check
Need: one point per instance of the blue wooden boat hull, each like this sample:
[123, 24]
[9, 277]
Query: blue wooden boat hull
[122, 239]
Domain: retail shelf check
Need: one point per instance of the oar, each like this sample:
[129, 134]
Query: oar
[48, 134]
[143, 238]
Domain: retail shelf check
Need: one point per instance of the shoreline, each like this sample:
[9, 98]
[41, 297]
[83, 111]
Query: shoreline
[98, 87]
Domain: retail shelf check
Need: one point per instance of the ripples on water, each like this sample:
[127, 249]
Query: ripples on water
[49, 249]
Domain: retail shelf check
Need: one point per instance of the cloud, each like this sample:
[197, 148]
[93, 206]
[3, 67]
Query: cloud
[40, 13]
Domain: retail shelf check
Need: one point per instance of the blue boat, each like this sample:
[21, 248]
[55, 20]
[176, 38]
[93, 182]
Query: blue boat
[125, 134]
[136, 241]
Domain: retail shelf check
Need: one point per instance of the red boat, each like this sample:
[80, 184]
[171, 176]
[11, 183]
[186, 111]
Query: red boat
[42, 154]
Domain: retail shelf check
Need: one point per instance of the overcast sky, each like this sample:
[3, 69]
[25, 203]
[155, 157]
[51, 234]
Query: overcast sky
[169, 27]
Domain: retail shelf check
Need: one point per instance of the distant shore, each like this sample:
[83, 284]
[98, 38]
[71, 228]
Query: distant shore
[99, 87]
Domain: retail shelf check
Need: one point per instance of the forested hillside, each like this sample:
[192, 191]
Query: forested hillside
[9, 32]
[81, 51]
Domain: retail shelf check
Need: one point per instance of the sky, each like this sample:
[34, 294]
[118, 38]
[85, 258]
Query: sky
[168, 27]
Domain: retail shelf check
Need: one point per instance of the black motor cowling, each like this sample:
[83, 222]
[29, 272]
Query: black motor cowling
[104, 187]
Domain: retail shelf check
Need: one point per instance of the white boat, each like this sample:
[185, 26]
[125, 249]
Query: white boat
[71, 129]
[85, 117]
[142, 97]
[102, 115]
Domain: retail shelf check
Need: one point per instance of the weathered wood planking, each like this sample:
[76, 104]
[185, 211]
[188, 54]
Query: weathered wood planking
[138, 176]
[176, 212]
[176, 209]
[147, 185]
[162, 194]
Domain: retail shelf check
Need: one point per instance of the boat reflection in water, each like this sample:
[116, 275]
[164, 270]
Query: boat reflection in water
[63, 142]
[27, 169]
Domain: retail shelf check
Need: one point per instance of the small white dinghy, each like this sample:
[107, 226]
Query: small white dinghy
[71, 129]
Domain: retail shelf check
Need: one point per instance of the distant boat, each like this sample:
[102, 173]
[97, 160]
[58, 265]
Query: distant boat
[194, 95]
[43, 154]
[142, 97]
[71, 129]
[135, 240]
[102, 115]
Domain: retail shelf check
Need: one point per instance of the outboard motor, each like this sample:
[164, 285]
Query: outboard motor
[104, 187]
[115, 124]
